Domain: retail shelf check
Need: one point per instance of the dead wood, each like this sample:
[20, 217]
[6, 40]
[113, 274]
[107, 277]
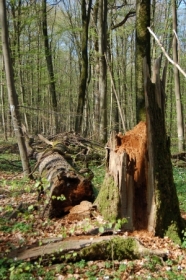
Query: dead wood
[88, 248]
[179, 156]
[139, 179]
[66, 186]
[16, 211]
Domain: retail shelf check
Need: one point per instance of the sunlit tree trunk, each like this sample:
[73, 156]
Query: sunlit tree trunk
[12, 95]
[142, 50]
[48, 55]
[102, 46]
[115, 114]
[179, 111]
[3, 99]
[95, 74]
[84, 64]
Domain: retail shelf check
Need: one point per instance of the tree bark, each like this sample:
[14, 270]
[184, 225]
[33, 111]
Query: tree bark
[102, 46]
[142, 50]
[99, 247]
[139, 183]
[48, 56]
[84, 64]
[179, 110]
[65, 187]
[12, 95]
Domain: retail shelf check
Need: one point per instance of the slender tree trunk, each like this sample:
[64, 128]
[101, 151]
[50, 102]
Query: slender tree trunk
[12, 95]
[179, 110]
[3, 100]
[102, 45]
[142, 50]
[84, 64]
[96, 95]
[49, 62]
[115, 124]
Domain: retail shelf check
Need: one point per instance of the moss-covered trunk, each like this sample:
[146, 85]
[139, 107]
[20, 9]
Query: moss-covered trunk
[139, 182]
[165, 217]
[142, 49]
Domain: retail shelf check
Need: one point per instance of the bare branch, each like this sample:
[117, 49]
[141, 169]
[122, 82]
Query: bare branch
[130, 14]
[116, 95]
[165, 53]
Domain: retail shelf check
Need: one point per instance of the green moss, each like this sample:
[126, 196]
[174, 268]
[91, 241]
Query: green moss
[142, 114]
[108, 199]
[173, 233]
[116, 248]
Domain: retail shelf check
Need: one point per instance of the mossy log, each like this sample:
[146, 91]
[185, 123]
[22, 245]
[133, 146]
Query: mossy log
[67, 187]
[87, 248]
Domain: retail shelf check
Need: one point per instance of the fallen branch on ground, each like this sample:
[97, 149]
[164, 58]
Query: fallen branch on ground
[89, 248]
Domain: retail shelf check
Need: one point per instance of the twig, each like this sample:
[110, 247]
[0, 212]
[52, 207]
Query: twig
[116, 95]
[42, 138]
[165, 53]
[16, 211]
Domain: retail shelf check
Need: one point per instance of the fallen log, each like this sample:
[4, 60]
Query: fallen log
[87, 248]
[65, 187]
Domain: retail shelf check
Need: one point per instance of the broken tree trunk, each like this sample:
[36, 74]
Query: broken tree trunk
[67, 187]
[139, 182]
[125, 181]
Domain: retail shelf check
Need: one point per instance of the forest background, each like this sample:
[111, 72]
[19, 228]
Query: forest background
[77, 66]
[48, 55]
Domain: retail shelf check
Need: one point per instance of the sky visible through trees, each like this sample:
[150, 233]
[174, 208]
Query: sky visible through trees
[64, 25]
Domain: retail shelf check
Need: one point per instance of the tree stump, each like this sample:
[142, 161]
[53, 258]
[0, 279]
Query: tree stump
[139, 181]
[125, 181]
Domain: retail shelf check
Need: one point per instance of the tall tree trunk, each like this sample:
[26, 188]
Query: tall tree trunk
[96, 95]
[48, 55]
[142, 50]
[84, 64]
[4, 125]
[12, 95]
[102, 45]
[179, 110]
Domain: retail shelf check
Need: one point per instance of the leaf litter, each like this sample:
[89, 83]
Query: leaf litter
[27, 228]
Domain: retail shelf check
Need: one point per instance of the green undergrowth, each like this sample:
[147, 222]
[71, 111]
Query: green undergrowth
[99, 174]
[179, 174]
[10, 163]
[152, 266]
[108, 269]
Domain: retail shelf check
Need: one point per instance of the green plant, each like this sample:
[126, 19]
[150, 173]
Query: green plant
[99, 174]
[81, 264]
[180, 182]
[3, 268]
[21, 271]
[183, 245]
[23, 227]
[119, 223]
[152, 263]
[115, 225]
[122, 267]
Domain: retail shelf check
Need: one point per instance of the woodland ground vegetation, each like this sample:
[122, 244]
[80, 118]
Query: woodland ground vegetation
[27, 228]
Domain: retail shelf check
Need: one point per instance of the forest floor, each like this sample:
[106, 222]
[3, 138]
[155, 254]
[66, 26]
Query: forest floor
[27, 228]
